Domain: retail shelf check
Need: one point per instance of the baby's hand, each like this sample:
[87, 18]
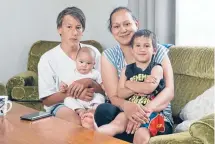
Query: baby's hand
[63, 87]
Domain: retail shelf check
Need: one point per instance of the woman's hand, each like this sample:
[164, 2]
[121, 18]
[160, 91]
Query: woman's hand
[77, 87]
[135, 113]
[87, 94]
[132, 127]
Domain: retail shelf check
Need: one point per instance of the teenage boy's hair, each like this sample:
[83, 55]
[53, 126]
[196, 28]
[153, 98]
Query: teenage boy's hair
[145, 33]
[74, 12]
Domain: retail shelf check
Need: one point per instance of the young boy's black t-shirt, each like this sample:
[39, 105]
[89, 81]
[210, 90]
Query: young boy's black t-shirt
[135, 73]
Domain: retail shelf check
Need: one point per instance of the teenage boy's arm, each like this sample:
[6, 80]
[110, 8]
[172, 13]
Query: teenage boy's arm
[145, 87]
[123, 92]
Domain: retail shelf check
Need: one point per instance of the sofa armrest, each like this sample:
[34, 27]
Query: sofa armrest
[25, 94]
[28, 78]
[175, 138]
[2, 90]
[204, 129]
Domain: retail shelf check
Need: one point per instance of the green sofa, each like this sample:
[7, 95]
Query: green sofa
[23, 87]
[193, 73]
[193, 69]
[2, 89]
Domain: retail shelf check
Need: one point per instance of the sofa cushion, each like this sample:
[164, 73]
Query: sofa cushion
[193, 61]
[193, 70]
[204, 129]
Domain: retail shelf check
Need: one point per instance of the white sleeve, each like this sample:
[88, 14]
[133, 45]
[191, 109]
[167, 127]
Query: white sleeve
[47, 78]
[98, 61]
[98, 77]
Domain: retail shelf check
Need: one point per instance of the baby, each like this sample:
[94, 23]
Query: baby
[85, 62]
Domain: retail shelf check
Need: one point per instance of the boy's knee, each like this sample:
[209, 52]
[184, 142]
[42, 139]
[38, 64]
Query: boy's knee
[141, 136]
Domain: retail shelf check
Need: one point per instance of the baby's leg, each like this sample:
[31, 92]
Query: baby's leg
[117, 126]
[72, 103]
[141, 136]
[97, 99]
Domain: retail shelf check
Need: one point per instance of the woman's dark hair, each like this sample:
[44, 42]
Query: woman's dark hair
[74, 12]
[116, 10]
[145, 33]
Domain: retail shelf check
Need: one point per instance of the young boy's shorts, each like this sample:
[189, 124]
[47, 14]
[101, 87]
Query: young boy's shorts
[156, 124]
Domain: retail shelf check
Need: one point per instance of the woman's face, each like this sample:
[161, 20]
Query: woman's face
[71, 30]
[123, 26]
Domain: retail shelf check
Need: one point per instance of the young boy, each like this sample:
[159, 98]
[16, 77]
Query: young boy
[144, 46]
[84, 69]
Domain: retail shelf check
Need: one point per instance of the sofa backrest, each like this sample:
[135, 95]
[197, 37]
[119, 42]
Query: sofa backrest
[40, 47]
[193, 69]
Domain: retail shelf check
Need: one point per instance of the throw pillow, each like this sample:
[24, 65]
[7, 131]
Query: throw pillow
[194, 110]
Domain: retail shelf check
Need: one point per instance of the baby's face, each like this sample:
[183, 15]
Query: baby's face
[84, 62]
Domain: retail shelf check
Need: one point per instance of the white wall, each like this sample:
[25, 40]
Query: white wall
[23, 22]
[195, 22]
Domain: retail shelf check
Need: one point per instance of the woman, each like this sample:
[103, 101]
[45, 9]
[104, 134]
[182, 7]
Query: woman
[58, 65]
[122, 26]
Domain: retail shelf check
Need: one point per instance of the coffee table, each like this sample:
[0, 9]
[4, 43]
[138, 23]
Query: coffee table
[49, 130]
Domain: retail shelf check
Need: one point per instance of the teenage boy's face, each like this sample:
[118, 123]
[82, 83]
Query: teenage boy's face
[84, 62]
[143, 49]
[71, 30]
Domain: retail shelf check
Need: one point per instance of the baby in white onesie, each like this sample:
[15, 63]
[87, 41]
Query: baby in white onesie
[85, 62]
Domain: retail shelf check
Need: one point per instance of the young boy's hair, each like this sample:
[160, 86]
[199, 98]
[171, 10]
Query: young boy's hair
[87, 50]
[145, 33]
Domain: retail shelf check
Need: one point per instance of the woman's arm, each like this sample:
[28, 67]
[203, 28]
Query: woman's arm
[110, 82]
[161, 101]
[123, 92]
[145, 87]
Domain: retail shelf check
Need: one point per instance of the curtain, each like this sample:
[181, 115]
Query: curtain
[157, 16]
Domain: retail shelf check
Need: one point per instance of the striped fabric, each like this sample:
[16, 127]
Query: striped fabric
[115, 56]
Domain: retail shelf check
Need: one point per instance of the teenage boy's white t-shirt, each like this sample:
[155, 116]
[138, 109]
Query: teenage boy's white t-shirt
[55, 66]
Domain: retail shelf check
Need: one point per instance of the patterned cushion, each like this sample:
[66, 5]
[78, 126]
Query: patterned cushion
[2, 89]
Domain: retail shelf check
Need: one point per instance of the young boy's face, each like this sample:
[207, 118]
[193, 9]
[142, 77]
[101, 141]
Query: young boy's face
[143, 49]
[84, 62]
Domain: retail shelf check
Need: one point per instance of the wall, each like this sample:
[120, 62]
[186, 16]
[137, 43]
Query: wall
[23, 22]
[195, 22]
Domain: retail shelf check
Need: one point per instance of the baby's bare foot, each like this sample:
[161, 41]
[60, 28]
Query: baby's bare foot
[87, 121]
